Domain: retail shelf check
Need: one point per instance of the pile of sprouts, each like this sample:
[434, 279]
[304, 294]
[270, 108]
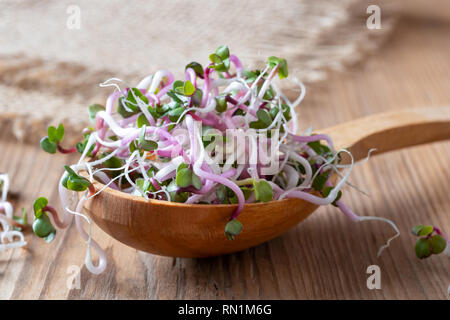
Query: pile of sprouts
[168, 139]
[11, 235]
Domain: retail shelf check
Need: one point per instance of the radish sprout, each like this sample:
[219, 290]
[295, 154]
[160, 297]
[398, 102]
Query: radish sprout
[11, 235]
[186, 141]
[431, 241]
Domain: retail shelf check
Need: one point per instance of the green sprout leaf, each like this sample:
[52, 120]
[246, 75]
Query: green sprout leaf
[184, 177]
[48, 146]
[70, 171]
[55, 135]
[178, 86]
[221, 104]
[223, 52]
[43, 228]
[320, 149]
[123, 111]
[142, 120]
[132, 102]
[232, 229]
[188, 88]
[177, 196]
[93, 109]
[143, 184]
[129, 106]
[286, 112]
[75, 182]
[132, 146]
[175, 113]
[264, 120]
[51, 134]
[423, 248]
[38, 205]
[269, 94]
[147, 145]
[183, 88]
[247, 192]
[174, 97]
[114, 163]
[197, 97]
[319, 181]
[282, 63]
[232, 197]
[82, 145]
[438, 244]
[220, 59]
[264, 117]
[196, 182]
[250, 76]
[221, 192]
[263, 191]
[215, 58]
[197, 67]
[416, 229]
[142, 134]
[425, 231]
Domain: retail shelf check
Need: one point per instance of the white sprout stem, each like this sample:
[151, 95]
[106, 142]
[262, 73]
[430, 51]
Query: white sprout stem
[319, 200]
[5, 179]
[294, 120]
[111, 181]
[7, 219]
[306, 165]
[113, 125]
[65, 203]
[324, 166]
[157, 80]
[127, 169]
[145, 83]
[301, 96]
[107, 84]
[360, 161]
[356, 218]
[143, 107]
[267, 83]
[89, 144]
[88, 238]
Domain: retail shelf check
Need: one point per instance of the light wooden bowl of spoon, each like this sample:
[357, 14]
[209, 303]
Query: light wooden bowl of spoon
[197, 230]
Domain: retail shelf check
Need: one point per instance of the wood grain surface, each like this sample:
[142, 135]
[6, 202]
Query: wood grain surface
[326, 256]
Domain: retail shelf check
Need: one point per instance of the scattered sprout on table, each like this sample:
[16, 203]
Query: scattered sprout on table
[11, 235]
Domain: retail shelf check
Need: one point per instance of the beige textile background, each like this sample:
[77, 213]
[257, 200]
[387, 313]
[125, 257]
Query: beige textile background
[50, 73]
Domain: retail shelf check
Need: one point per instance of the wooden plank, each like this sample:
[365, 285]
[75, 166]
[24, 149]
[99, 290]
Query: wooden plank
[326, 256]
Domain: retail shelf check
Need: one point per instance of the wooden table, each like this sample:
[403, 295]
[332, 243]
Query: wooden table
[325, 257]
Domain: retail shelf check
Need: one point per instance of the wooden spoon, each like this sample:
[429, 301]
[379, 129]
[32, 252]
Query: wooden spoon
[196, 230]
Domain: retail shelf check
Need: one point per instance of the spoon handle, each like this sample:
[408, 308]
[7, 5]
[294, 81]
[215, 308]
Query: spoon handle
[391, 131]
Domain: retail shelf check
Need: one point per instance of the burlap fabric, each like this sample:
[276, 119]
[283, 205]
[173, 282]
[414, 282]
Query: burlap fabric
[49, 73]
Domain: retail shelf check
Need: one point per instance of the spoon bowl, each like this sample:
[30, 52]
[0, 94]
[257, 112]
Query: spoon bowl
[197, 230]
